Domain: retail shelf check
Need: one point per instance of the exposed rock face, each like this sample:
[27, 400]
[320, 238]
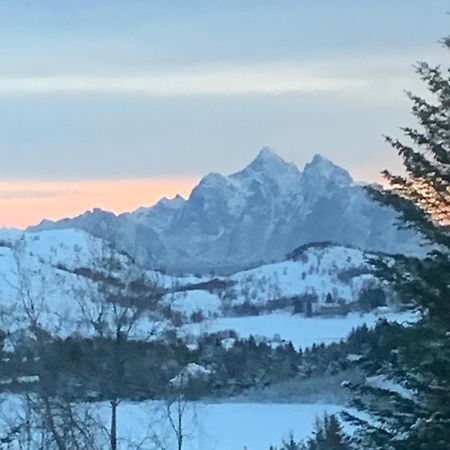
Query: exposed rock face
[256, 215]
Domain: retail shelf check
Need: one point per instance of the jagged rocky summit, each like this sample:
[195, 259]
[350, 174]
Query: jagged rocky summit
[256, 215]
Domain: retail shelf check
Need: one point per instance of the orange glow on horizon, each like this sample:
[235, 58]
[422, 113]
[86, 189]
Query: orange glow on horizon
[24, 203]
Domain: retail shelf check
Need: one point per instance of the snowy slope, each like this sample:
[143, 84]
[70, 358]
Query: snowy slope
[317, 270]
[50, 277]
[256, 215]
[332, 275]
[31, 280]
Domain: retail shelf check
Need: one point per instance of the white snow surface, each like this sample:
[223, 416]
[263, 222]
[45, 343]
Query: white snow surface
[231, 426]
[384, 383]
[189, 302]
[39, 275]
[301, 331]
[316, 271]
[209, 426]
[322, 271]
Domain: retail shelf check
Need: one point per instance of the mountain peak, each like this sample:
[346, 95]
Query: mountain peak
[269, 163]
[324, 168]
[268, 154]
[267, 157]
[320, 159]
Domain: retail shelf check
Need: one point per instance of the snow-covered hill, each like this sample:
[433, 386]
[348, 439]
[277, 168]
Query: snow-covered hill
[58, 278]
[54, 279]
[254, 216]
[316, 279]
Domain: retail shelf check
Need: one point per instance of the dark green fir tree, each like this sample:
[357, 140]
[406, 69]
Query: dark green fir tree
[408, 397]
[328, 435]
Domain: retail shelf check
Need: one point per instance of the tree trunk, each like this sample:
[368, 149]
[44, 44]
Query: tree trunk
[113, 435]
[180, 424]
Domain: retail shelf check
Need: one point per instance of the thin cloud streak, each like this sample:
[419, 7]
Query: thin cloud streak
[350, 74]
[19, 195]
[174, 85]
[347, 76]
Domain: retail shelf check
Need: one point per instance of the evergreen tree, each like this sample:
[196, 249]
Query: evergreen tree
[328, 435]
[409, 398]
[291, 444]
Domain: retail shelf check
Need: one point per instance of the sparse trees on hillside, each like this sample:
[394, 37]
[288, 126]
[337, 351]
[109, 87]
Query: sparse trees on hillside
[45, 417]
[128, 304]
[51, 423]
[117, 303]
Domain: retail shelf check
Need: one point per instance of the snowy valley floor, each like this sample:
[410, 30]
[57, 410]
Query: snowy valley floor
[208, 426]
[231, 426]
[300, 330]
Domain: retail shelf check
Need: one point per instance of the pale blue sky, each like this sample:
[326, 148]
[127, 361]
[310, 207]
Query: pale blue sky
[123, 89]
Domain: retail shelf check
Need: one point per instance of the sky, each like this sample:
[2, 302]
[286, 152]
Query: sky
[115, 104]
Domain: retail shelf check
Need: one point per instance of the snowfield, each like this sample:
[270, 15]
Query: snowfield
[301, 331]
[316, 270]
[53, 274]
[189, 302]
[208, 426]
[229, 426]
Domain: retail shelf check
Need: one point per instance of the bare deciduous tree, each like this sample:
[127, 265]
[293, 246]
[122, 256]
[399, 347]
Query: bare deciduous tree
[127, 306]
[55, 423]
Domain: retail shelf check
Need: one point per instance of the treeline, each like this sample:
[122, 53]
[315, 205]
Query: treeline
[95, 368]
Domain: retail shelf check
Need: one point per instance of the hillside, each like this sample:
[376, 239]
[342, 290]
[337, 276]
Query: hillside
[63, 276]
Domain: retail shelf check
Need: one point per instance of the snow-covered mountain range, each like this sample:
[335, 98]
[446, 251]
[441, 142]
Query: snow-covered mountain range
[254, 216]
